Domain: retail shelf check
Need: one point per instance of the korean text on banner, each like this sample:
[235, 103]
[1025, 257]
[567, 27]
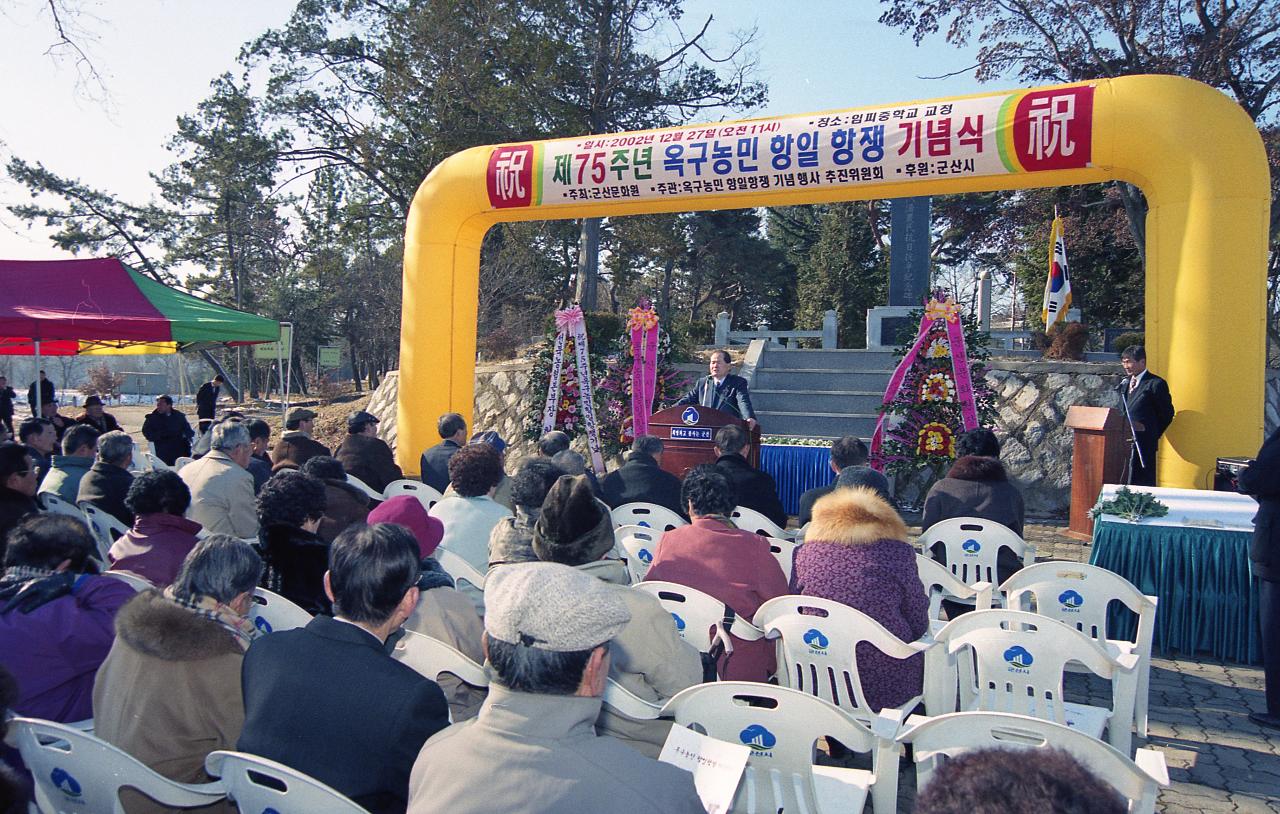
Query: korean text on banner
[717, 765]
[1024, 131]
[271, 351]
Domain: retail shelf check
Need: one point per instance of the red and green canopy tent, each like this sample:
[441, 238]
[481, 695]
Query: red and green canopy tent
[69, 307]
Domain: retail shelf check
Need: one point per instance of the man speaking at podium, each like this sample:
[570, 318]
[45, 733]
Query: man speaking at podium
[1145, 400]
[722, 390]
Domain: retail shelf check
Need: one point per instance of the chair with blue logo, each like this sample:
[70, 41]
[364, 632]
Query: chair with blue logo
[260, 785]
[425, 494]
[432, 657]
[648, 515]
[106, 529]
[972, 546]
[1081, 595]
[784, 551]
[756, 523]
[701, 619]
[817, 642]
[1013, 661]
[941, 584]
[271, 612]
[935, 739]
[639, 545]
[75, 771]
[781, 727]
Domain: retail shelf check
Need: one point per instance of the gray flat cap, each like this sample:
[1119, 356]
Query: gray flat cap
[551, 607]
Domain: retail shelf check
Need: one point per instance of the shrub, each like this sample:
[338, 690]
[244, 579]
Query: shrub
[1127, 339]
[101, 381]
[1067, 342]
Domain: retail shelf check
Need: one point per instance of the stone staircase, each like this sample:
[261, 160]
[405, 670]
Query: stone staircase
[820, 393]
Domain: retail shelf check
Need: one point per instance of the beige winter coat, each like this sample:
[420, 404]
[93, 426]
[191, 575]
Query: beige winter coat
[448, 616]
[221, 495]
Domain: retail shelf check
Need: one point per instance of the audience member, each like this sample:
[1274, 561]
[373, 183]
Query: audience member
[108, 480]
[221, 486]
[344, 504]
[204, 442]
[846, 453]
[95, 416]
[553, 442]
[442, 612]
[15, 789]
[854, 477]
[755, 489]
[1261, 479]
[997, 781]
[79, 448]
[290, 509]
[365, 455]
[17, 488]
[533, 747]
[168, 431]
[40, 439]
[169, 691]
[354, 718]
[207, 401]
[502, 492]
[512, 538]
[49, 412]
[555, 445]
[731, 564]
[7, 395]
[642, 479]
[648, 657]
[856, 553]
[470, 515]
[55, 616]
[161, 537]
[259, 443]
[47, 393]
[296, 444]
[435, 461]
[976, 486]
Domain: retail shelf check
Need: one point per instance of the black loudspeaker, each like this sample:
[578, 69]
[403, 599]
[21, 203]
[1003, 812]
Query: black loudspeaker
[1227, 476]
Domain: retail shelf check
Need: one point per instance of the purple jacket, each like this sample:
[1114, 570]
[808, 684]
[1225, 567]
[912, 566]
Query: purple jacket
[155, 547]
[55, 651]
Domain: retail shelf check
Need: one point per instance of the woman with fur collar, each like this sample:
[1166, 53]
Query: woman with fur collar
[856, 553]
[169, 691]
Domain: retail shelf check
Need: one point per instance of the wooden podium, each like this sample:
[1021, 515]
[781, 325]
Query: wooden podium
[688, 434]
[1099, 455]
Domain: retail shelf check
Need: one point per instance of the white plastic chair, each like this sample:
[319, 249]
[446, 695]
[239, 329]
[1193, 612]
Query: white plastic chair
[458, 568]
[628, 704]
[56, 505]
[756, 523]
[818, 653]
[132, 580]
[271, 612]
[432, 657]
[784, 551]
[972, 546]
[364, 487]
[77, 772]
[941, 584]
[649, 515]
[105, 527]
[1013, 661]
[781, 726]
[1079, 596]
[700, 618]
[426, 495]
[258, 784]
[639, 546]
[933, 739]
[180, 462]
[154, 463]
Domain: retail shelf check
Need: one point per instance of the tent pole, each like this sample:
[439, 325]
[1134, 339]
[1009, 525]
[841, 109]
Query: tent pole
[39, 389]
[287, 374]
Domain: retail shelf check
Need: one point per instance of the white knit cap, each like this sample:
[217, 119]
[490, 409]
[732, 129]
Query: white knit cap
[551, 607]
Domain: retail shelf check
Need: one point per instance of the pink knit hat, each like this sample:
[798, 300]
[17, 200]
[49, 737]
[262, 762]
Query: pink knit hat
[407, 511]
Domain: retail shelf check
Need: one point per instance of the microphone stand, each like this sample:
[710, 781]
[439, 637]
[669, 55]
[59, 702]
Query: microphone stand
[1133, 436]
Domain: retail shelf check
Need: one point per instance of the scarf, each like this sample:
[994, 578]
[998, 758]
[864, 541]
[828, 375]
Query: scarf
[240, 627]
[433, 575]
[25, 588]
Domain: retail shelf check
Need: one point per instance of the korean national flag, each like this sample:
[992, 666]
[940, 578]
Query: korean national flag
[1057, 289]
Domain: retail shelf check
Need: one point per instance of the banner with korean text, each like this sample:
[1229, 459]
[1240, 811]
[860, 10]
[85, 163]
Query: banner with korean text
[1022, 131]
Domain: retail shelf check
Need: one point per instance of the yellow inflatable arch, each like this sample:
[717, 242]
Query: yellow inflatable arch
[1193, 152]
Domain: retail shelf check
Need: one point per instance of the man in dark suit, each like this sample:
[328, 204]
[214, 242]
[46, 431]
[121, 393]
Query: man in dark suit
[721, 390]
[207, 402]
[1145, 397]
[643, 480]
[846, 453]
[1262, 480]
[435, 461]
[754, 489]
[328, 699]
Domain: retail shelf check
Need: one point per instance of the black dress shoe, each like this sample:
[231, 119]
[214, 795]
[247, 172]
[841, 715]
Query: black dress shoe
[1264, 720]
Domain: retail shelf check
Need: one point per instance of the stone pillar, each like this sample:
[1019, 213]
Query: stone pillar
[722, 329]
[984, 302]
[909, 244]
[830, 331]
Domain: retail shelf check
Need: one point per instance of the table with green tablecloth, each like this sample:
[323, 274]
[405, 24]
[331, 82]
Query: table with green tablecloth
[1196, 560]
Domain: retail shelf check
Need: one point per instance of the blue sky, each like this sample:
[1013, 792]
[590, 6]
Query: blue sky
[158, 57]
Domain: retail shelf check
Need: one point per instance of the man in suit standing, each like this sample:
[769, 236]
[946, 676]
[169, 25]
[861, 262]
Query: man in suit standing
[328, 699]
[754, 489]
[721, 390]
[46, 393]
[1262, 480]
[1145, 397]
[207, 402]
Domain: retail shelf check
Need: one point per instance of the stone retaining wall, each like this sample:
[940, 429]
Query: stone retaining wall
[1032, 398]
